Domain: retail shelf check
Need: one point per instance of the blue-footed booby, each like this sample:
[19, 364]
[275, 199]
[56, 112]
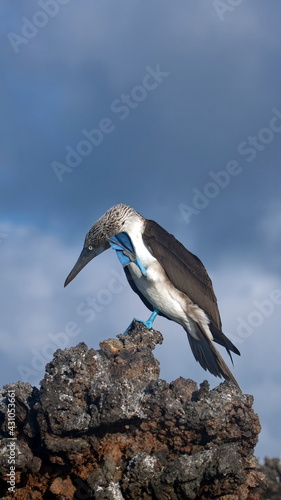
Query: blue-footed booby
[170, 280]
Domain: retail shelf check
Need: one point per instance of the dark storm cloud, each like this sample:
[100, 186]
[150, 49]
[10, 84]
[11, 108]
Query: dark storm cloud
[190, 125]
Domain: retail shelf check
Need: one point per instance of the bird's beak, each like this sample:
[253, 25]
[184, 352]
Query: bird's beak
[85, 256]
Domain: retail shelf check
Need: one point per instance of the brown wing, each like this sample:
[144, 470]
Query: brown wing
[185, 271]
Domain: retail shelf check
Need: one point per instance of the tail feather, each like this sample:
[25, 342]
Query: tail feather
[220, 338]
[209, 358]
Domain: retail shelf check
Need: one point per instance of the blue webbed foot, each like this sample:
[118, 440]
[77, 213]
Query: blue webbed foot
[129, 327]
[125, 251]
[148, 324]
[124, 248]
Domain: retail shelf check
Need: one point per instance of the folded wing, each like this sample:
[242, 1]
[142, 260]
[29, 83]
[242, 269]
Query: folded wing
[185, 271]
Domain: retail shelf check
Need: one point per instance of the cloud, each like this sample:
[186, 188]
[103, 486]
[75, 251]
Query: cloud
[85, 58]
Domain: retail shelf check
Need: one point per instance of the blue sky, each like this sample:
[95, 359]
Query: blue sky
[173, 108]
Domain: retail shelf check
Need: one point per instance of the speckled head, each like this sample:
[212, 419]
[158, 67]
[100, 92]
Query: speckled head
[112, 222]
[96, 241]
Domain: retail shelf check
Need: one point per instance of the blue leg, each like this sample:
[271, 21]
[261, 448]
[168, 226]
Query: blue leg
[148, 324]
[140, 266]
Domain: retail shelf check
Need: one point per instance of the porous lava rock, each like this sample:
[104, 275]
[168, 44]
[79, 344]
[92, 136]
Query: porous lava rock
[104, 426]
[272, 471]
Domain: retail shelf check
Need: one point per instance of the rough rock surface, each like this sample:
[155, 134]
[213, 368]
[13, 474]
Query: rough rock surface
[272, 472]
[104, 426]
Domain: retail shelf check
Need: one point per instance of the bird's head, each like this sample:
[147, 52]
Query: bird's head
[112, 222]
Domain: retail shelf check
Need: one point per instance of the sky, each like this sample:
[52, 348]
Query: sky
[175, 109]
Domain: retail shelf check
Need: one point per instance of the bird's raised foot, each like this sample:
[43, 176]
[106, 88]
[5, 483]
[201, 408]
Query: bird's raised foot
[125, 251]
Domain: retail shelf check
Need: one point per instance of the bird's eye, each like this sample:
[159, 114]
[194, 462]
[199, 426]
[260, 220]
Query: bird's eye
[90, 247]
